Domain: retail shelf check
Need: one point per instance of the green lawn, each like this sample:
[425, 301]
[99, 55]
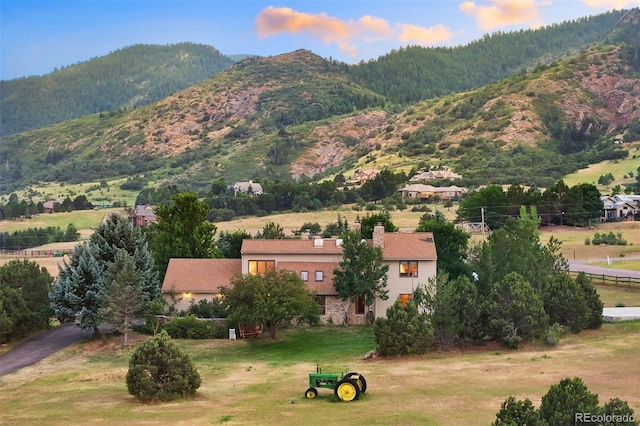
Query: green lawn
[618, 168]
[263, 381]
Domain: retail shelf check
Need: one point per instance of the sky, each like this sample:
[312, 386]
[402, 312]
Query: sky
[38, 36]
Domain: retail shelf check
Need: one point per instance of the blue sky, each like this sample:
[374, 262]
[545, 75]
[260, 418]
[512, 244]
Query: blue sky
[38, 36]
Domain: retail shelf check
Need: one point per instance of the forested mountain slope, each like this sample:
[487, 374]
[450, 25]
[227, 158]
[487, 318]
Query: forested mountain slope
[416, 73]
[126, 78]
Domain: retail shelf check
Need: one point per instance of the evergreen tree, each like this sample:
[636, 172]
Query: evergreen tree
[78, 293]
[516, 312]
[565, 399]
[123, 294]
[160, 369]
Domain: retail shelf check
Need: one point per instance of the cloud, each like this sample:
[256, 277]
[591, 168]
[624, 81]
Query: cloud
[503, 13]
[346, 34]
[425, 36]
[611, 4]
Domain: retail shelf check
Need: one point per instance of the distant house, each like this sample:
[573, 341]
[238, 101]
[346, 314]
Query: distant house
[49, 206]
[419, 191]
[362, 176]
[411, 258]
[248, 187]
[142, 215]
[442, 173]
[620, 207]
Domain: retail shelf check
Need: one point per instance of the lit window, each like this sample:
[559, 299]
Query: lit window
[304, 275]
[261, 267]
[409, 268]
[319, 276]
[322, 302]
[404, 299]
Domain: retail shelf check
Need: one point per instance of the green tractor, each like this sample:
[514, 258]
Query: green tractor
[347, 387]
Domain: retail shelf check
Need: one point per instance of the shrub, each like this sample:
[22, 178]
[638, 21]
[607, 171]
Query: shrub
[190, 327]
[160, 370]
[404, 331]
[517, 412]
[555, 333]
[565, 399]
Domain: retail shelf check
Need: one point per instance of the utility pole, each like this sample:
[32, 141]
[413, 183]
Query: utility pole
[482, 213]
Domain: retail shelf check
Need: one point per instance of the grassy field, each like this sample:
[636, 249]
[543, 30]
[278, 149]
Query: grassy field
[92, 190]
[618, 168]
[262, 381]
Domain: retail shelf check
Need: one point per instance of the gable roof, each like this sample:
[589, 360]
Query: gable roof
[303, 246]
[409, 246]
[200, 275]
[145, 210]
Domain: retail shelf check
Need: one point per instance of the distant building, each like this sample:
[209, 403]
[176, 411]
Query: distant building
[49, 206]
[419, 191]
[362, 176]
[442, 173]
[142, 215]
[620, 207]
[248, 187]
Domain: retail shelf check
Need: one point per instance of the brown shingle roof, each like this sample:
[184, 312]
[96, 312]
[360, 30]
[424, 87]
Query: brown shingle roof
[320, 287]
[290, 246]
[200, 275]
[415, 246]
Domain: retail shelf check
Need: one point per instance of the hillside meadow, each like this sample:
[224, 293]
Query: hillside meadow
[262, 381]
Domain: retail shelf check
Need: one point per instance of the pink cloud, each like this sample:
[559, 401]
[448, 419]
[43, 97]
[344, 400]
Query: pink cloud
[425, 36]
[344, 33]
[611, 4]
[503, 13]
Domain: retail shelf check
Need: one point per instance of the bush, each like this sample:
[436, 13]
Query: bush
[190, 327]
[554, 334]
[565, 399]
[403, 332]
[516, 412]
[160, 370]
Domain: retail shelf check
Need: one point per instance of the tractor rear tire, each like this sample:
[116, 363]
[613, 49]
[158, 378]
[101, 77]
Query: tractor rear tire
[347, 390]
[311, 393]
[359, 379]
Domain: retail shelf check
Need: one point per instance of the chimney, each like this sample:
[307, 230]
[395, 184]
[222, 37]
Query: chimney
[356, 225]
[378, 235]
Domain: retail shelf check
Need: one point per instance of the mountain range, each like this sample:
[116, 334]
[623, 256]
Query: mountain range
[525, 107]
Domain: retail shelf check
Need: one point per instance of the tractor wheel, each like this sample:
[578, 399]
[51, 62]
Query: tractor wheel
[311, 393]
[359, 379]
[347, 390]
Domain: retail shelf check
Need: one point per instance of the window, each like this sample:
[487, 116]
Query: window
[260, 267]
[319, 276]
[304, 275]
[360, 304]
[409, 268]
[404, 299]
[322, 302]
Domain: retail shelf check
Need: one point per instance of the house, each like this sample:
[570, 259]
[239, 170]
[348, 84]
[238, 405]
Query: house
[620, 207]
[411, 258]
[419, 191]
[362, 176]
[49, 206]
[192, 280]
[142, 215]
[248, 187]
[425, 175]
